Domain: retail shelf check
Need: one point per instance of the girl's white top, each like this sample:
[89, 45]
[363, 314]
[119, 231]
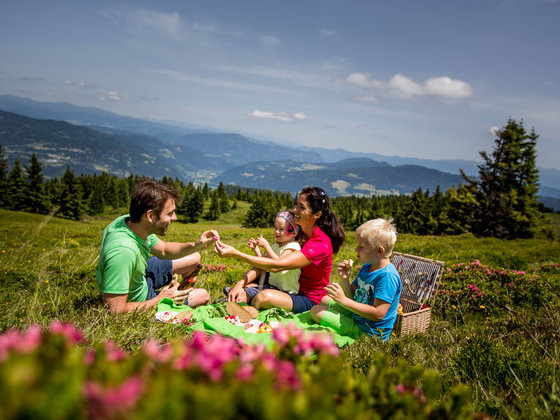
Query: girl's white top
[287, 280]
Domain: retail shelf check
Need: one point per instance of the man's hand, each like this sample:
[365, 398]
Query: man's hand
[207, 238]
[344, 269]
[236, 294]
[172, 292]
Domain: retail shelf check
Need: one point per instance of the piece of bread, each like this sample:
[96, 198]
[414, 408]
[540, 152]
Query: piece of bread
[234, 309]
[184, 315]
[252, 310]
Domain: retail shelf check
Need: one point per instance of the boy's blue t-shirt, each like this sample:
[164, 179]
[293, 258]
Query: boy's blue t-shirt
[384, 284]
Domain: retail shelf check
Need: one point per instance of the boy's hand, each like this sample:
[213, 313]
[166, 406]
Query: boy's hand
[344, 269]
[335, 291]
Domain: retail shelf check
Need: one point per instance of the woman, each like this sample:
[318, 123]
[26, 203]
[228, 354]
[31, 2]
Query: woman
[325, 236]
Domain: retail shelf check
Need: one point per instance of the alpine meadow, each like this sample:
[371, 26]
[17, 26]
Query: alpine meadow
[491, 350]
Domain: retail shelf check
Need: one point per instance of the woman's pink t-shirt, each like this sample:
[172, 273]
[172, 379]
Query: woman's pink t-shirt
[315, 276]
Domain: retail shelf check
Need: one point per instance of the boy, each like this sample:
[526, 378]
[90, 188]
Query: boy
[368, 305]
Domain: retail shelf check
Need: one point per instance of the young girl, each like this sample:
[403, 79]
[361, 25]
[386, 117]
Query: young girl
[285, 233]
[323, 234]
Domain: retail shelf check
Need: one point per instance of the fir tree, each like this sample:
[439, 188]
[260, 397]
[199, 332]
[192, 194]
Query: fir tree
[71, 205]
[36, 200]
[96, 202]
[3, 178]
[223, 198]
[213, 212]
[15, 197]
[508, 185]
[260, 213]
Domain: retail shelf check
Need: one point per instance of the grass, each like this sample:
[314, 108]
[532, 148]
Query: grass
[509, 358]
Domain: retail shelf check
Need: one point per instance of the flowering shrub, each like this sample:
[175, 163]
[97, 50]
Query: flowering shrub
[210, 268]
[468, 287]
[54, 374]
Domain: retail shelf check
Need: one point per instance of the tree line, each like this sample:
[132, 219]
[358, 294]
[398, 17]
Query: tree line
[501, 202]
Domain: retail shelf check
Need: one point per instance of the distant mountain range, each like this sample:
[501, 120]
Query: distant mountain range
[92, 140]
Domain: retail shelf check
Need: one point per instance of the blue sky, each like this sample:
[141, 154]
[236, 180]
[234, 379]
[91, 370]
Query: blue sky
[428, 79]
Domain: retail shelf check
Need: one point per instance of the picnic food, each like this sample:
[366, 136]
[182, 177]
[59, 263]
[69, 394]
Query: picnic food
[184, 316]
[188, 281]
[234, 309]
[400, 309]
[252, 310]
[265, 328]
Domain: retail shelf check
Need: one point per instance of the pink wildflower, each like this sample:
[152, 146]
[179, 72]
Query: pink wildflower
[245, 372]
[22, 343]
[156, 352]
[111, 401]
[114, 353]
[73, 335]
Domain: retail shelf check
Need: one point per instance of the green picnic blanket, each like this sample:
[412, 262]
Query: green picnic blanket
[222, 326]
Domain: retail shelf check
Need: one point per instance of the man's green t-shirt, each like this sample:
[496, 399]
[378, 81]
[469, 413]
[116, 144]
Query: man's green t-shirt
[122, 261]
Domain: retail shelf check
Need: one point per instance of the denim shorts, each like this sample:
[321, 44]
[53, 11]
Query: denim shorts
[254, 291]
[300, 303]
[159, 273]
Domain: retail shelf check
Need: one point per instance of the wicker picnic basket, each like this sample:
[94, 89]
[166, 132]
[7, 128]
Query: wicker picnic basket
[420, 278]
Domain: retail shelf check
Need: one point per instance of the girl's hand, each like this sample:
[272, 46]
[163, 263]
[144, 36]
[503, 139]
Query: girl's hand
[262, 242]
[335, 291]
[344, 269]
[252, 243]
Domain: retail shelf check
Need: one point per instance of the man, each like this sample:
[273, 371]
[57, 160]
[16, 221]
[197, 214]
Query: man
[126, 274]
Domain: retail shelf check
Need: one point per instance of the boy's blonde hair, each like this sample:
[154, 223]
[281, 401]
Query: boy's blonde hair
[379, 232]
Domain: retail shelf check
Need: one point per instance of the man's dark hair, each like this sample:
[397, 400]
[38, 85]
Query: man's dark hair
[150, 195]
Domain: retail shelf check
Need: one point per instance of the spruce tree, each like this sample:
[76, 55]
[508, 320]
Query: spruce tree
[213, 212]
[96, 201]
[508, 185]
[71, 205]
[36, 200]
[260, 213]
[3, 178]
[15, 191]
[195, 206]
[223, 198]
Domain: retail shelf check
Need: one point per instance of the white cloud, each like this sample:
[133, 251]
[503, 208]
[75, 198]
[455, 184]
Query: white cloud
[279, 116]
[269, 41]
[327, 33]
[111, 96]
[368, 99]
[363, 80]
[404, 86]
[494, 130]
[169, 23]
[445, 87]
[79, 84]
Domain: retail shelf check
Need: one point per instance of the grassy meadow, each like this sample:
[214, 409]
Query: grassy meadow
[501, 340]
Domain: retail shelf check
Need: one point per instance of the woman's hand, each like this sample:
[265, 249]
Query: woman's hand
[344, 269]
[336, 292]
[224, 250]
